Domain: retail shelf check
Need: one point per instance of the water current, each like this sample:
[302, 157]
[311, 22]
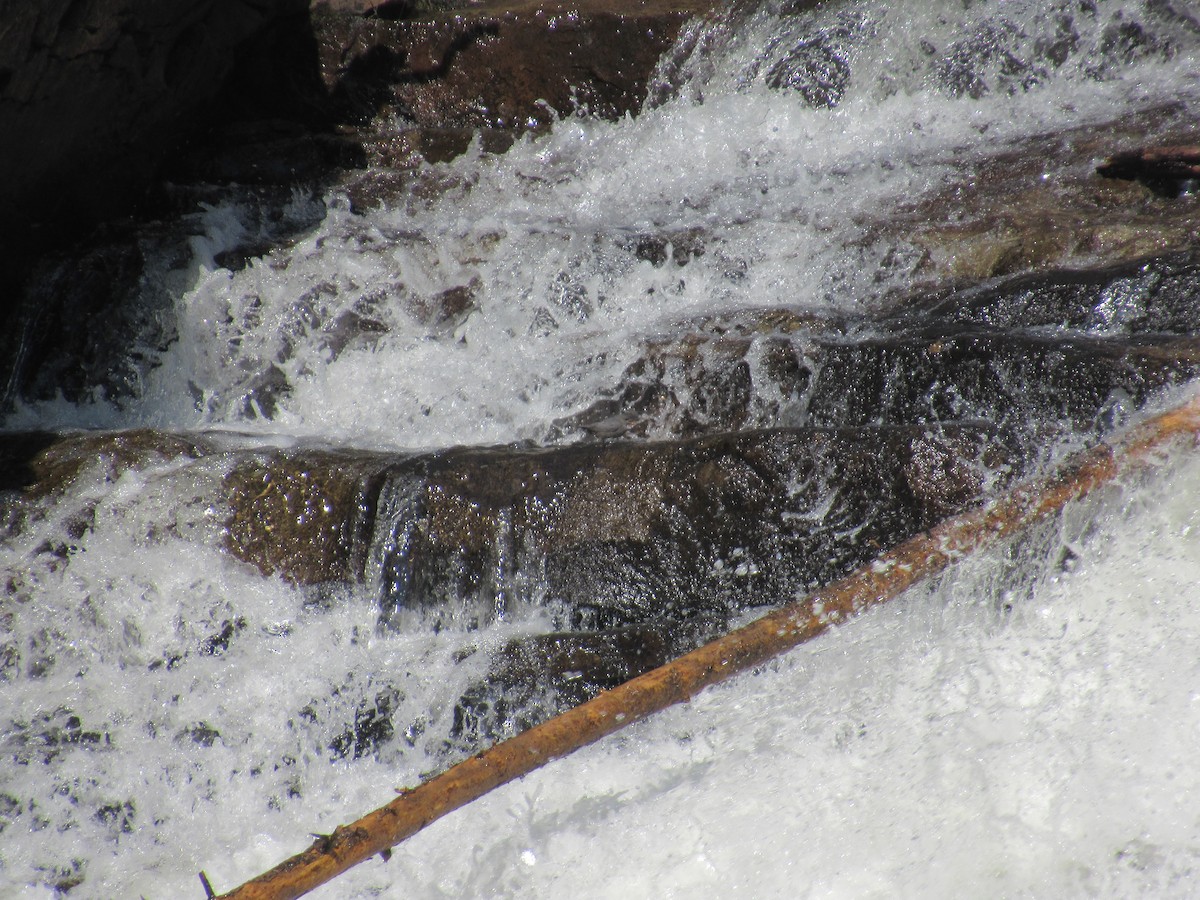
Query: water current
[1025, 726]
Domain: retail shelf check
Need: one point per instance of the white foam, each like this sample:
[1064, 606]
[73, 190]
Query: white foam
[937, 747]
[544, 236]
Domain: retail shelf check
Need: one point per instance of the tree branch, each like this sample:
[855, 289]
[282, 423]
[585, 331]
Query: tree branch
[888, 576]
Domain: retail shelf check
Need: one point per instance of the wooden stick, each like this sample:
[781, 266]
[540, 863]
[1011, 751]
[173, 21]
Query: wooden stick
[675, 682]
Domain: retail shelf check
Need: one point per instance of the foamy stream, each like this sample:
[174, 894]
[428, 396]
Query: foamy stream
[1025, 727]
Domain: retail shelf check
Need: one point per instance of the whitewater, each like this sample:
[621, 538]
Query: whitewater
[1023, 726]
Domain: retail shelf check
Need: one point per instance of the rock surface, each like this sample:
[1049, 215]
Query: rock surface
[1071, 349]
[499, 64]
[101, 100]
[94, 94]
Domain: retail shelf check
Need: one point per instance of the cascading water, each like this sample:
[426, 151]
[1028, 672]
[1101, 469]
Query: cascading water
[1018, 728]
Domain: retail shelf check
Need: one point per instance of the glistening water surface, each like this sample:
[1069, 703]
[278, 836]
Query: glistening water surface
[1024, 727]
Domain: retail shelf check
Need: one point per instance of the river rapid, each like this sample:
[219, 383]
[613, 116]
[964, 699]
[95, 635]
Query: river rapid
[1023, 726]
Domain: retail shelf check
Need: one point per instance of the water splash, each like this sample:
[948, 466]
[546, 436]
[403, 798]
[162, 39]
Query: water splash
[162, 697]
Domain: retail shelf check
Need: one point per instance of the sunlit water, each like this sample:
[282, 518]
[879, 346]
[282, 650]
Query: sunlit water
[1015, 730]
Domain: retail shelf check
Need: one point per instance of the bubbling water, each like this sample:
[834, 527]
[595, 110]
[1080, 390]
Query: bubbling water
[1016, 728]
[522, 287]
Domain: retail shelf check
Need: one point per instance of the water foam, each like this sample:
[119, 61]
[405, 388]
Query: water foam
[946, 745]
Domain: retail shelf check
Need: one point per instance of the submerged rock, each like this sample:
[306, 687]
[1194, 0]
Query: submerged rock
[1067, 352]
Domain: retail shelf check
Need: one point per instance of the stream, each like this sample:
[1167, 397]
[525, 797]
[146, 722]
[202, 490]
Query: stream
[434, 460]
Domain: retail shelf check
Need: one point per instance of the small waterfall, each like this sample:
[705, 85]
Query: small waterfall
[408, 464]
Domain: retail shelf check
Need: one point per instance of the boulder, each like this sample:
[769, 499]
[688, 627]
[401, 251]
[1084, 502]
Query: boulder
[500, 63]
[1060, 352]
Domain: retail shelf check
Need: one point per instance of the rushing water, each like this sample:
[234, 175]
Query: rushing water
[1017, 729]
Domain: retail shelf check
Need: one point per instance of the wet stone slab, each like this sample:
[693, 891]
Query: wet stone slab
[1064, 353]
[745, 460]
[613, 534]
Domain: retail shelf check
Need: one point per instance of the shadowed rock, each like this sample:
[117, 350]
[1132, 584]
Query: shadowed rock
[499, 64]
[1168, 171]
[1069, 352]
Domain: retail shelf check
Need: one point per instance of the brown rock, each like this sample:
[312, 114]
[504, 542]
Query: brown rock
[1168, 171]
[307, 518]
[500, 64]
[1037, 206]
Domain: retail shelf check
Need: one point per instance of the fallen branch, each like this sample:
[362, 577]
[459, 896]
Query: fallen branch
[892, 573]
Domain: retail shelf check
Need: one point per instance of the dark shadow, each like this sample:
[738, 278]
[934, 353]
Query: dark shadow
[234, 98]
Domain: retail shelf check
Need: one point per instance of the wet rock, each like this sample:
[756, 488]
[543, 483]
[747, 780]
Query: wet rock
[272, 152]
[82, 319]
[680, 246]
[201, 734]
[816, 62]
[497, 64]
[48, 735]
[372, 727]
[534, 678]
[307, 517]
[1068, 384]
[1016, 381]
[56, 461]
[93, 319]
[1168, 171]
[18, 450]
[1038, 205]
[214, 93]
[1159, 295]
[604, 535]
[446, 310]
[1066, 352]
[618, 534]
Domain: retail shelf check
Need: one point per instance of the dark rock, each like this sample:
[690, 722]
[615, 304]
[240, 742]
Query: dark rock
[1062, 352]
[816, 62]
[1155, 296]
[1168, 171]
[18, 450]
[97, 97]
[96, 93]
[274, 152]
[201, 734]
[101, 101]
[618, 534]
[497, 64]
[85, 310]
[306, 517]
[46, 736]
[533, 678]
[372, 727]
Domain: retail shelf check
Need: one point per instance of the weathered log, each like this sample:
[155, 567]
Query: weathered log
[892, 573]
